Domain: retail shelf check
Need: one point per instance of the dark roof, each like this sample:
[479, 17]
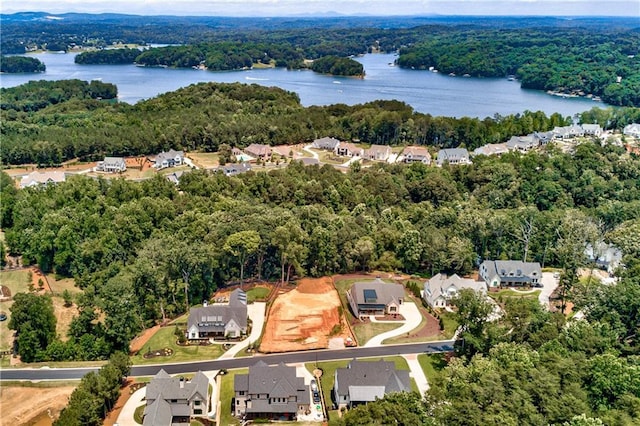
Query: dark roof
[361, 379]
[383, 293]
[176, 388]
[279, 381]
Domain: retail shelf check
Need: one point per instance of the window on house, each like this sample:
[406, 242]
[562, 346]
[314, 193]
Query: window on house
[174, 401]
[241, 393]
[196, 402]
[392, 308]
[197, 412]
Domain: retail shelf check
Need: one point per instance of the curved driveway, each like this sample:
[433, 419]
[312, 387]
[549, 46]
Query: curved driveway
[256, 312]
[412, 316]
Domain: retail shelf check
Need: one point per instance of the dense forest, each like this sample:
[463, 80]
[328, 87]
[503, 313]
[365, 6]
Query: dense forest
[578, 57]
[108, 56]
[19, 64]
[144, 251]
[37, 128]
[337, 66]
[572, 62]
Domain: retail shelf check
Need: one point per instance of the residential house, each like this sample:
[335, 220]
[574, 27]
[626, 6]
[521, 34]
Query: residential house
[170, 158]
[112, 165]
[510, 273]
[492, 149]
[416, 154]
[260, 151]
[365, 381]
[233, 169]
[275, 392]
[375, 298]
[42, 179]
[440, 289]
[592, 129]
[544, 137]
[568, 132]
[377, 153]
[523, 143]
[453, 156]
[309, 161]
[632, 130]
[605, 256]
[347, 149]
[219, 320]
[172, 401]
[174, 177]
[326, 143]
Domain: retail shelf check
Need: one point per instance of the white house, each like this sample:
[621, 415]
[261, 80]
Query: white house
[440, 289]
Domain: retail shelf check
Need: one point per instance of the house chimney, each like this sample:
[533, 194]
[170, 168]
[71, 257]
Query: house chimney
[204, 303]
[181, 382]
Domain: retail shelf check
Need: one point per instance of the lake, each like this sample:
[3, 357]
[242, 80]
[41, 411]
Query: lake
[426, 92]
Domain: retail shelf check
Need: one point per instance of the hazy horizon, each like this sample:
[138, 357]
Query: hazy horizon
[285, 8]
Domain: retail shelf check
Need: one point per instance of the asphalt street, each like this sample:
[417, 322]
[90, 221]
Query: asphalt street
[219, 364]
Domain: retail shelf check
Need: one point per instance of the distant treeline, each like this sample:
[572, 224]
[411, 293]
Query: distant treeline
[572, 61]
[50, 122]
[18, 64]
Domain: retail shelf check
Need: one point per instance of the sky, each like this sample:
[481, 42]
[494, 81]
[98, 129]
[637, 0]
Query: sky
[344, 7]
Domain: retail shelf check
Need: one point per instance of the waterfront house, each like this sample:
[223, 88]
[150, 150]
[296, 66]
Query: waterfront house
[632, 130]
[592, 129]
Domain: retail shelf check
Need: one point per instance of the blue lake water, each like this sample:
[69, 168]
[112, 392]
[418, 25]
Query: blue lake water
[426, 92]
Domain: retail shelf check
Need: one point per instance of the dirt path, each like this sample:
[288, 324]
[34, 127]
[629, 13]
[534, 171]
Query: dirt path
[125, 393]
[24, 405]
[138, 342]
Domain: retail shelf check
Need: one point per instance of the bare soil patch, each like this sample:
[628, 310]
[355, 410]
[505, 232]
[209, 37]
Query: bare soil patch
[138, 342]
[304, 318]
[64, 316]
[125, 392]
[23, 405]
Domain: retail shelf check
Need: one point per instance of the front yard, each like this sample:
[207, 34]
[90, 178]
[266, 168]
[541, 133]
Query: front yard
[226, 395]
[166, 338]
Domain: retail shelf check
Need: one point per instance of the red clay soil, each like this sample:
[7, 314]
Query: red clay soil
[36, 276]
[125, 393]
[304, 318]
[138, 342]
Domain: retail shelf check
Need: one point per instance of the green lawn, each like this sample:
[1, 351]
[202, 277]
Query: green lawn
[165, 338]
[17, 281]
[226, 394]
[257, 293]
[62, 284]
[432, 365]
[206, 160]
[364, 332]
[450, 325]
[502, 294]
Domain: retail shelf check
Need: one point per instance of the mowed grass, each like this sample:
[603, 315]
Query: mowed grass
[450, 325]
[432, 365]
[226, 395]
[257, 293]
[165, 338]
[366, 331]
[17, 281]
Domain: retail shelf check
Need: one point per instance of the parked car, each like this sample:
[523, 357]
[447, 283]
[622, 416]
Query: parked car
[314, 385]
[316, 397]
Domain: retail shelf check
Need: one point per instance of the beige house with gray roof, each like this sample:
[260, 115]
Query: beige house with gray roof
[42, 179]
[375, 298]
[219, 320]
[440, 289]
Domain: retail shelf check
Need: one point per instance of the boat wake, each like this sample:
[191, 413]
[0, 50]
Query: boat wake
[256, 79]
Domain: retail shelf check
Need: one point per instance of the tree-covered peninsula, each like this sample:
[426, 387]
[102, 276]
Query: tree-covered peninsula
[21, 64]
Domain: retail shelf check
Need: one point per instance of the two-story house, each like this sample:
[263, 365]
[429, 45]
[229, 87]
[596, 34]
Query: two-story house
[375, 298]
[172, 401]
[416, 154]
[440, 289]
[42, 179]
[510, 273]
[453, 156]
[365, 381]
[112, 165]
[170, 158]
[219, 320]
[260, 151]
[377, 153]
[270, 392]
[347, 149]
[326, 143]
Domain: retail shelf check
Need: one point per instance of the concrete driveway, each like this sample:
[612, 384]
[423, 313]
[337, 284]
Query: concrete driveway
[256, 312]
[312, 152]
[125, 418]
[417, 373]
[412, 316]
[549, 284]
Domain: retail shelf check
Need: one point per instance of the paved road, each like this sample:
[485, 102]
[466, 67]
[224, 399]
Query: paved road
[291, 357]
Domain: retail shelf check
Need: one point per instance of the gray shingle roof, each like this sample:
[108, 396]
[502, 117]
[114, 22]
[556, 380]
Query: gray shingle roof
[213, 318]
[385, 292]
[365, 380]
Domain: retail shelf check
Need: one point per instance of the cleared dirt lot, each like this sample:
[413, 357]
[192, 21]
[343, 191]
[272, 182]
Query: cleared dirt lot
[32, 405]
[304, 318]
